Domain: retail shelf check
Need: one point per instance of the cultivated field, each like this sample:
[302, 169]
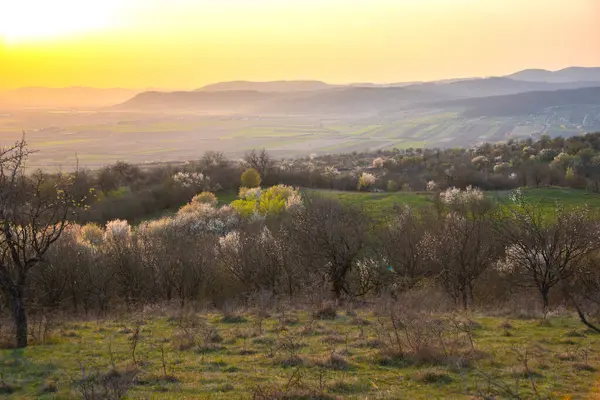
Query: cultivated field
[97, 138]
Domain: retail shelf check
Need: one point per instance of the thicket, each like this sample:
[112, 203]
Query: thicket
[271, 244]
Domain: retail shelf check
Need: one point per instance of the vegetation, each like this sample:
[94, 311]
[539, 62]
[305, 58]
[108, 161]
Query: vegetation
[137, 193]
[250, 178]
[291, 354]
[329, 298]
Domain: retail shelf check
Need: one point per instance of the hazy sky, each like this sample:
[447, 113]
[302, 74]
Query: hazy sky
[188, 43]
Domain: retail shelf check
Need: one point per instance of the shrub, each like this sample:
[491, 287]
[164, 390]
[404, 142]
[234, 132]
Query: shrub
[392, 186]
[366, 180]
[378, 162]
[326, 312]
[205, 198]
[251, 178]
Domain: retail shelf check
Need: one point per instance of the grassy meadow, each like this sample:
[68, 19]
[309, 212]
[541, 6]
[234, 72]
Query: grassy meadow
[301, 355]
[378, 204]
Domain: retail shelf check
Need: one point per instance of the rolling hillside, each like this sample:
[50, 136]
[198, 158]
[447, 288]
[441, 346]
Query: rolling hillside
[527, 103]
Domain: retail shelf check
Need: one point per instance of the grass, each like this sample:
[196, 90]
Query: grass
[379, 204]
[549, 197]
[293, 353]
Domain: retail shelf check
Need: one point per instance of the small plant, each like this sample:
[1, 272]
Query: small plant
[112, 385]
[336, 362]
[230, 318]
[292, 344]
[433, 376]
[134, 341]
[5, 387]
[327, 312]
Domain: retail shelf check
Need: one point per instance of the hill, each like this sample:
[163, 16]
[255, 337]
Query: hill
[571, 74]
[527, 103]
[272, 86]
[494, 86]
[353, 100]
[346, 100]
[225, 101]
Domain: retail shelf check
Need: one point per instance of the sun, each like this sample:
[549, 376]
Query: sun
[34, 20]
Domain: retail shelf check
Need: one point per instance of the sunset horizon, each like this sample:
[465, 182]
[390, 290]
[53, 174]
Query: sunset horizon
[186, 44]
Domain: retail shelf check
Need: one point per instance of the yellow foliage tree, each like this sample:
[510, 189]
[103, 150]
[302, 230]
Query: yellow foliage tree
[251, 178]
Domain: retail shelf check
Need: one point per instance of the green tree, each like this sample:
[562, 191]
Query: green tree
[251, 178]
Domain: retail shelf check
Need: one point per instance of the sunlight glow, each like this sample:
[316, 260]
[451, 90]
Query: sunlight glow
[35, 20]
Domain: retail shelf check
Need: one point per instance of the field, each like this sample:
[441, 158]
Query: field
[378, 204]
[293, 353]
[97, 138]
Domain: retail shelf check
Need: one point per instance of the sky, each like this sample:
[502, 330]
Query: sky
[185, 44]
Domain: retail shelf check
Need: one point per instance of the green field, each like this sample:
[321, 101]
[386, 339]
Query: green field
[294, 354]
[378, 204]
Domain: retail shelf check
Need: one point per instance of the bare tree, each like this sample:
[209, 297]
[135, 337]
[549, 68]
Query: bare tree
[260, 161]
[462, 248]
[255, 257]
[331, 237]
[402, 247]
[544, 250]
[33, 214]
[583, 290]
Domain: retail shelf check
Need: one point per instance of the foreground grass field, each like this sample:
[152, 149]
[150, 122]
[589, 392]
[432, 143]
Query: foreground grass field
[297, 355]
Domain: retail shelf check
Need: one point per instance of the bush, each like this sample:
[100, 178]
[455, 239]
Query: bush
[205, 198]
[251, 178]
[326, 312]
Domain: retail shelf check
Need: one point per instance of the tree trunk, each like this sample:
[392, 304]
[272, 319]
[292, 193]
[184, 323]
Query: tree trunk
[20, 316]
[338, 279]
[544, 292]
[338, 285]
[465, 298]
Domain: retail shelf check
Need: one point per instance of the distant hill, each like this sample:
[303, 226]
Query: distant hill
[526, 103]
[76, 97]
[344, 100]
[571, 74]
[222, 101]
[352, 100]
[273, 86]
[495, 86]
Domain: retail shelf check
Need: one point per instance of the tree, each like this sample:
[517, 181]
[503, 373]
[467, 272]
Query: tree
[260, 161]
[330, 237]
[33, 214]
[251, 178]
[401, 244]
[543, 251]
[462, 247]
[366, 180]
